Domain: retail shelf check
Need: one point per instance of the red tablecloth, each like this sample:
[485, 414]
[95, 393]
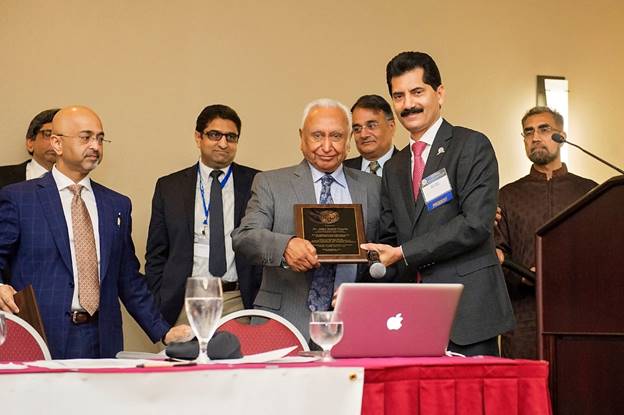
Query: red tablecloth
[428, 386]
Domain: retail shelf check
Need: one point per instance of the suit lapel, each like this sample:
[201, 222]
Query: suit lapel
[302, 183]
[188, 189]
[107, 219]
[241, 181]
[434, 161]
[404, 180]
[356, 190]
[50, 200]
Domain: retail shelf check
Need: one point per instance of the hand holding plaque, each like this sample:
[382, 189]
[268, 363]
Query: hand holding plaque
[336, 231]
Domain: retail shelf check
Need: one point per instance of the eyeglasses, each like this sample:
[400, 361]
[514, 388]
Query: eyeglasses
[46, 134]
[86, 138]
[542, 130]
[370, 125]
[216, 135]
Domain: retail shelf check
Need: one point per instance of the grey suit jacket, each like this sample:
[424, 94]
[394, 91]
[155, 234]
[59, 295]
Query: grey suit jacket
[269, 224]
[452, 243]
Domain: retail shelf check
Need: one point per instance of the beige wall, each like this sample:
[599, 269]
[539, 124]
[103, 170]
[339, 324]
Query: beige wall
[149, 67]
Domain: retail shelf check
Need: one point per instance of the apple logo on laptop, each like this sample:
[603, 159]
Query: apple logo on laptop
[395, 322]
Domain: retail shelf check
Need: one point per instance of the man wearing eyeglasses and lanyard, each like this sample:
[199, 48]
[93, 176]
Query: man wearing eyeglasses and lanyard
[193, 213]
[38, 146]
[373, 131]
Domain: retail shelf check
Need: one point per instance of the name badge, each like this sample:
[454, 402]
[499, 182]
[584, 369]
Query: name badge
[436, 189]
[201, 246]
[201, 250]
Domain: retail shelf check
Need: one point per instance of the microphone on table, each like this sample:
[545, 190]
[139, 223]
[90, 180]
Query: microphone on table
[559, 138]
[376, 268]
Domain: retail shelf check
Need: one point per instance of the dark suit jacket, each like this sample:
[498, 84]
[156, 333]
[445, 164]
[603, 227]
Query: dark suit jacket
[356, 162]
[453, 243]
[169, 254]
[13, 174]
[34, 241]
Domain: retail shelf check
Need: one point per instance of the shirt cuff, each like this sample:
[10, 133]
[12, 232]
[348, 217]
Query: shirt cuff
[403, 255]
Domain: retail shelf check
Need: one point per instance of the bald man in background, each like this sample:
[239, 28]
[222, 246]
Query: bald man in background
[71, 239]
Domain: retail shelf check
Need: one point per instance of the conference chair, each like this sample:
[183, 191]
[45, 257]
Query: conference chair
[267, 331]
[22, 343]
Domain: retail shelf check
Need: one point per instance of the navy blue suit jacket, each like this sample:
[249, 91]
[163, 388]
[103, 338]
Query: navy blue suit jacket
[34, 242]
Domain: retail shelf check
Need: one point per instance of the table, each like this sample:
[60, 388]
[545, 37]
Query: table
[428, 386]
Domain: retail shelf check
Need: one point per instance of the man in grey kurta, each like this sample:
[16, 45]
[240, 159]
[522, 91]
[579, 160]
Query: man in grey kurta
[266, 235]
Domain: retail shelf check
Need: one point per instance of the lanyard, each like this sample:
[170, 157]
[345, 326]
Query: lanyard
[201, 190]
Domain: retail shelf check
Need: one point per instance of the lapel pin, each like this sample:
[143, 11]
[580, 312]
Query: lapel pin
[118, 219]
[440, 151]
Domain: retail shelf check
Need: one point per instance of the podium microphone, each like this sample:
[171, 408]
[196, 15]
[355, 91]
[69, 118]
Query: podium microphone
[558, 138]
[519, 269]
[376, 268]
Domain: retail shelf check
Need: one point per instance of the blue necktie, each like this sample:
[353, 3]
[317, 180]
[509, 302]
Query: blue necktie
[322, 286]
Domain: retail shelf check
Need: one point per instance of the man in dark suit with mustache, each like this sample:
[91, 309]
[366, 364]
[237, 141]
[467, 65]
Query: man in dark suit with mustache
[438, 202]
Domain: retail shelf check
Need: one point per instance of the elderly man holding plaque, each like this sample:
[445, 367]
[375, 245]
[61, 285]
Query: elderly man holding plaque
[306, 246]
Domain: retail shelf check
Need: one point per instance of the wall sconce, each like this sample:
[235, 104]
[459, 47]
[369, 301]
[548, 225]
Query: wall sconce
[552, 92]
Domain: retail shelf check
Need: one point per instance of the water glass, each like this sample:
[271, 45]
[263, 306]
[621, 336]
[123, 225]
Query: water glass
[3, 328]
[203, 301]
[326, 331]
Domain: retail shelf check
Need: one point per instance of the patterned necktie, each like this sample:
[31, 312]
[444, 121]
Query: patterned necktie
[419, 166]
[216, 262]
[322, 286]
[86, 255]
[374, 166]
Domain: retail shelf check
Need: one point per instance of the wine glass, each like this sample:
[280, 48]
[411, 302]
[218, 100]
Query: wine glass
[3, 328]
[326, 331]
[203, 302]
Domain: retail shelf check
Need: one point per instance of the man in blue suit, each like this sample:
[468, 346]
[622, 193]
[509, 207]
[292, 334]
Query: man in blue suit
[71, 239]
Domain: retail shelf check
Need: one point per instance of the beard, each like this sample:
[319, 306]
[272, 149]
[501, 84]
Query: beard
[541, 156]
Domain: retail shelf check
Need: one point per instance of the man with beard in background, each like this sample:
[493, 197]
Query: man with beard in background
[527, 204]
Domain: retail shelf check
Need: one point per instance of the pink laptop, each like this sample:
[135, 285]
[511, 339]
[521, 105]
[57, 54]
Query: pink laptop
[384, 320]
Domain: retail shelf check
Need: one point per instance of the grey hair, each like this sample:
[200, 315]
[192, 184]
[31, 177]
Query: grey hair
[326, 103]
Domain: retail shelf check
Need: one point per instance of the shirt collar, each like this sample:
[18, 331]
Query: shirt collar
[205, 170]
[62, 181]
[562, 171]
[37, 170]
[430, 134]
[381, 160]
[338, 175]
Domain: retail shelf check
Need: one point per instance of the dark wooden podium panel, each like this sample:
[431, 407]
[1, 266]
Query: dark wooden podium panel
[588, 374]
[580, 297]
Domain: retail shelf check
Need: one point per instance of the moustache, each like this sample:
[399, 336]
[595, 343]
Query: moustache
[410, 111]
[93, 154]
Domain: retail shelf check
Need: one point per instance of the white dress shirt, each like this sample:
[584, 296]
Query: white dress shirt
[200, 263]
[427, 138]
[340, 194]
[34, 170]
[62, 183]
[381, 160]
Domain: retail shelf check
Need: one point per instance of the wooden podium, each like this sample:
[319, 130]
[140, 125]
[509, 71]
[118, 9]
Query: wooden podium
[580, 302]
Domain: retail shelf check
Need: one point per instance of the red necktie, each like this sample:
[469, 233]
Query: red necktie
[419, 166]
